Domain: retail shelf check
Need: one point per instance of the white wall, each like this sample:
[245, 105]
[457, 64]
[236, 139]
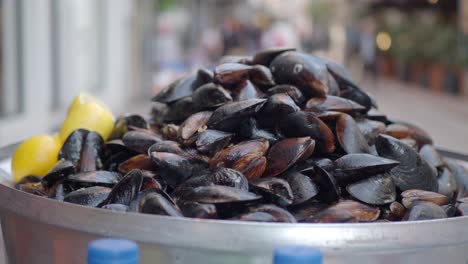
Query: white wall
[87, 46]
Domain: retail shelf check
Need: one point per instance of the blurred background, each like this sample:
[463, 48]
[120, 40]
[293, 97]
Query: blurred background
[411, 55]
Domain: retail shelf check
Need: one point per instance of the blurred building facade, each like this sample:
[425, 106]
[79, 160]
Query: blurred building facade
[123, 51]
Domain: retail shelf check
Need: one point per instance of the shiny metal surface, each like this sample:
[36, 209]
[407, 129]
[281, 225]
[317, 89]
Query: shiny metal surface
[40, 230]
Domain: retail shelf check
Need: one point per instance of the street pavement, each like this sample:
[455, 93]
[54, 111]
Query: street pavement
[444, 117]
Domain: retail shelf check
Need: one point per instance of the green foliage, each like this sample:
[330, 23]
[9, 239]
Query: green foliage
[415, 39]
[164, 5]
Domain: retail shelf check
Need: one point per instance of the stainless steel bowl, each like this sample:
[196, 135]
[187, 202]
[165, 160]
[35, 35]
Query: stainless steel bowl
[40, 230]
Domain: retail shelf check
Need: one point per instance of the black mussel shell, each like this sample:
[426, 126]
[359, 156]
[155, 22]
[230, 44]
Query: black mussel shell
[425, 211]
[91, 196]
[126, 190]
[377, 190]
[306, 72]
[229, 116]
[61, 170]
[413, 172]
[302, 187]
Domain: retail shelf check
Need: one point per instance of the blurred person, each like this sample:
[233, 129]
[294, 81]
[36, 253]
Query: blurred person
[168, 50]
[280, 34]
[210, 48]
[231, 32]
[166, 54]
[367, 49]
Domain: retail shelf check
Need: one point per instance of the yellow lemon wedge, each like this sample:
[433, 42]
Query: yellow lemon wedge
[35, 156]
[88, 113]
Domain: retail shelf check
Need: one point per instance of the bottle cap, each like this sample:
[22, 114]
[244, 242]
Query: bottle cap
[115, 251]
[297, 255]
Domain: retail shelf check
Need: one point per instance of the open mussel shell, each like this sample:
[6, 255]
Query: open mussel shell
[302, 187]
[126, 189]
[92, 178]
[377, 190]
[354, 167]
[290, 90]
[246, 90]
[303, 124]
[210, 95]
[304, 71]
[211, 141]
[140, 141]
[410, 197]
[198, 210]
[274, 190]
[265, 57]
[91, 196]
[229, 116]
[333, 103]
[413, 172]
[286, 153]
[228, 74]
[350, 136]
[425, 211]
[61, 170]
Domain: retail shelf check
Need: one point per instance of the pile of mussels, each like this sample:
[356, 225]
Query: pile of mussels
[278, 137]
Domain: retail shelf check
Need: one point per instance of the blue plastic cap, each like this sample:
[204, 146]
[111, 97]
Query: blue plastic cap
[113, 251]
[297, 255]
